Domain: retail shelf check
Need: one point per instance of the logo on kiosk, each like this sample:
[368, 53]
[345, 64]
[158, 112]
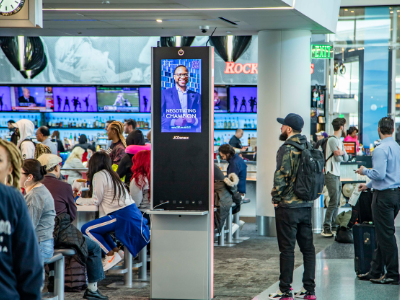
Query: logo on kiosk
[181, 52]
[177, 137]
[233, 68]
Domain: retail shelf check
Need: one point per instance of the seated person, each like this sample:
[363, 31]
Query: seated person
[140, 183]
[120, 214]
[236, 165]
[40, 205]
[74, 161]
[115, 133]
[225, 188]
[64, 203]
[124, 168]
[20, 262]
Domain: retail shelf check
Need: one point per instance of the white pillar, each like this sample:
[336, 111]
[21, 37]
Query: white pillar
[284, 86]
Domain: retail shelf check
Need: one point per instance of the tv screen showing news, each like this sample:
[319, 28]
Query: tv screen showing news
[30, 99]
[5, 98]
[220, 99]
[145, 99]
[74, 99]
[117, 99]
[243, 99]
[181, 95]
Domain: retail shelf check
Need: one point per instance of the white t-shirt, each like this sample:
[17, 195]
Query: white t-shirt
[103, 195]
[333, 163]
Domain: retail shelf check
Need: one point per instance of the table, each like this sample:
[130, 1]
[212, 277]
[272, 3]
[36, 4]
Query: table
[86, 213]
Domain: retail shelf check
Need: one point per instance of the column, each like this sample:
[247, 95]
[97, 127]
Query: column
[284, 81]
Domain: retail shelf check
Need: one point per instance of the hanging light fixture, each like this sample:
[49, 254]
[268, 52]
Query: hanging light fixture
[26, 54]
[177, 41]
[230, 47]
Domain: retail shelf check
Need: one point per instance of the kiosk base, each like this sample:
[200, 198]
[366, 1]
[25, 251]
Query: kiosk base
[181, 255]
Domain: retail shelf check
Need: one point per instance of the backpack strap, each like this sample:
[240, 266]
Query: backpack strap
[294, 144]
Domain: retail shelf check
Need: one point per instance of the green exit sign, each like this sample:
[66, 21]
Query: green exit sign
[321, 51]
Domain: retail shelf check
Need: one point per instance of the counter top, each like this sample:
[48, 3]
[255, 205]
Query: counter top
[87, 208]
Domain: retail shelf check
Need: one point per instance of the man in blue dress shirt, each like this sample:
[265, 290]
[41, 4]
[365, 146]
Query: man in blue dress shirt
[385, 181]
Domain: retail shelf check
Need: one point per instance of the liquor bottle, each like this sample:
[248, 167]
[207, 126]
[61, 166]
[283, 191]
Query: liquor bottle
[74, 123]
[225, 139]
[248, 140]
[147, 125]
[233, 123]
[229, 138]
[252, 124]
[219, 141]
[225, 124]
[36, 122]
[245, 123]
[229, 124]
[75, 138]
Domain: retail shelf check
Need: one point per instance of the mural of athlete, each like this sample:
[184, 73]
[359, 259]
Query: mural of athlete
[253, 102]
[243, 104]
[179, 97]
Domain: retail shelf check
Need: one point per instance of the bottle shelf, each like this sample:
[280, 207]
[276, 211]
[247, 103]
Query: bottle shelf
[255, 129]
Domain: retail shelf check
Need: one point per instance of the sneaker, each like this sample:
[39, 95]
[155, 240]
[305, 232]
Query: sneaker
[276, 295]
[111, 261]
[286, 296]
[241, 224]
[234, 227]
[304, 294]
[327, 233]
[121, 253]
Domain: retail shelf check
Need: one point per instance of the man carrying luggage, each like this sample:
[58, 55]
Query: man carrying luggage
[385, 182]
[292, 215]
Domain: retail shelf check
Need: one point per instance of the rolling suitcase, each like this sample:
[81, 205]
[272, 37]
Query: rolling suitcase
[363, 233]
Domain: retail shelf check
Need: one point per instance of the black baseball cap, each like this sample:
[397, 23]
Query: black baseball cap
[292, 120]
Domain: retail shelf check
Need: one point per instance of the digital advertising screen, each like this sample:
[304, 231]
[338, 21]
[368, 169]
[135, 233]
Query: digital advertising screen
[30, 99]
[145, 99]
[5, 98]
[117, 99]
[220, 99]
[181, 95]
[243, 99]
[74, 99]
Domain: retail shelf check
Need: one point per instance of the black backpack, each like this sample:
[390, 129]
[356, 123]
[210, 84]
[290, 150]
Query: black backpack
[323, 144]
[310, 175]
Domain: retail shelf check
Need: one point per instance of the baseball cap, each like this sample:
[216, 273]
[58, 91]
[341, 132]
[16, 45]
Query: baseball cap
[49, 160]
[323, 133]
[292, 120]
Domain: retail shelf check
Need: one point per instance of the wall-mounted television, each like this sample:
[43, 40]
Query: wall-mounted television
[74, 99]
[5, 98]
[243, 99]
[220, 99]
[145, 99]
[30, 98]
[117, 99]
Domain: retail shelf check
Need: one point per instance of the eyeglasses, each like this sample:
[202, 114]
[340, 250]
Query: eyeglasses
[184, 75]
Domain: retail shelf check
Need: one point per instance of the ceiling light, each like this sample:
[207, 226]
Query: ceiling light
[391, 12]
[345, 9]
[352, 11]
[159, 21]
[171, 9]
[228, 32]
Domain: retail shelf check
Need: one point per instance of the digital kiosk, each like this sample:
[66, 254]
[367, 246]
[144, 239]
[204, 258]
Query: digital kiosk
[182, 172]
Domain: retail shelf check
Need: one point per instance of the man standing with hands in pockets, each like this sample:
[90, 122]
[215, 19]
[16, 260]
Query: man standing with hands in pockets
[334, 155]
[385, 181]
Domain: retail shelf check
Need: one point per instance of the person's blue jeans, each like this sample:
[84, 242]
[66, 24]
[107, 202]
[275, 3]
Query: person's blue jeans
[98, 230]
[94, 265]
[46, 250]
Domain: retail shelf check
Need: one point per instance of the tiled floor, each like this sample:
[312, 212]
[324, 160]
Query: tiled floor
[336, 279]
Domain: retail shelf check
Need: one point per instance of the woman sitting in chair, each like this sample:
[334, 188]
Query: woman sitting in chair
[118, 210]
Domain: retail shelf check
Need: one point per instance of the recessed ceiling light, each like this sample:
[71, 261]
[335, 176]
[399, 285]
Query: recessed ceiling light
[352, 11]
[345, 9]
[159, 20]
[228, 32]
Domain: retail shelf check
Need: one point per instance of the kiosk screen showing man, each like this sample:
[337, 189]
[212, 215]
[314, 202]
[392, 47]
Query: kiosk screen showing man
[181, 95]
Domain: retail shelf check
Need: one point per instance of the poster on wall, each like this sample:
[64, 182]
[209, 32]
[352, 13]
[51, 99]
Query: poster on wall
[74, 99]
[5, 98]
[181, 95]
[243, 99]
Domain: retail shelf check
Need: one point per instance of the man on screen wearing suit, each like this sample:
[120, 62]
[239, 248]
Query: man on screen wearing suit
[26, 99]
[180, 98]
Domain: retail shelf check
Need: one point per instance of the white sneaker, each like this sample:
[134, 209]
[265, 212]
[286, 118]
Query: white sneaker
[241, 224]
[234, 227]
[111, 261]
[276, 295]
[300, 294]
[121, 253]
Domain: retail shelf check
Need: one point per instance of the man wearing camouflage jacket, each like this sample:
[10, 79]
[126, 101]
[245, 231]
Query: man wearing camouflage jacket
[292, 215]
